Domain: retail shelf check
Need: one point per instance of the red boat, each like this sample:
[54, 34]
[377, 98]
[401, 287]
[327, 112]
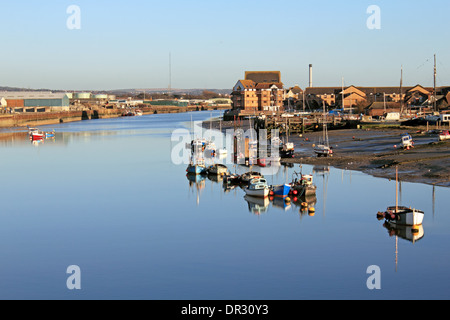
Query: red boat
[262, 163]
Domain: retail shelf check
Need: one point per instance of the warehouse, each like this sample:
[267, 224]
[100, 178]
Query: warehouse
[36, 101]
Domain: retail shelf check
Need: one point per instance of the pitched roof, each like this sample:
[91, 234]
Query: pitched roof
[267, 85]
[248, 84]
[263, 76]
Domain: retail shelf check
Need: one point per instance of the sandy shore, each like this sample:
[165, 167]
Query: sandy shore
[373, 152]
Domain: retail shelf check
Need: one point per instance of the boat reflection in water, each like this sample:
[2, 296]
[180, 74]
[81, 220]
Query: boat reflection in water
[281, 203]
[196, 182]
[257, 205]
[409, 233]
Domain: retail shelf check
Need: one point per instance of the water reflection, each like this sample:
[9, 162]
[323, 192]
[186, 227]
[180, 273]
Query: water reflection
[257, 206]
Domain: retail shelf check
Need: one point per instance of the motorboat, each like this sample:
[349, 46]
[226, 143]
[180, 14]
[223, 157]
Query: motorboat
[403, 216]
[280, 191]
[246, 177]
[287, 150]
[303, 186]
[218, 169]
[444, 135]
[197, 167]
[407, 141]
[50, 135]
[400, 215]
[257, 187]
[323, 150]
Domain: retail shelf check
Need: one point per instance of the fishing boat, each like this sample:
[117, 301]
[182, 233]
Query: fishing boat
[37, 135]
[407, 141]
[287, 150]
[444, 135]
[280, 191]
[257, 188]
[139, 113]
[218, 170]
[400, 215]
[197, 168]
[303, 186]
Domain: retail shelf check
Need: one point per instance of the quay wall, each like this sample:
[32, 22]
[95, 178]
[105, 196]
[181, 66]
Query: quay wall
[48, 118]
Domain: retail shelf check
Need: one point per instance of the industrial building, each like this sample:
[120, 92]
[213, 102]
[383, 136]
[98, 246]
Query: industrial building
[23, 101]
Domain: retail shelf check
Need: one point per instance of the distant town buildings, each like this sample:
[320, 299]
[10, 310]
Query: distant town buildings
[263, 91]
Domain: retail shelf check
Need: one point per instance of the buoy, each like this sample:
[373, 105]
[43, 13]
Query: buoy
[271, 193]
[304, 204]
[288, 199]
[295, 199]
[312, 212]
[271, 198]
[295, 192]
[395, 146]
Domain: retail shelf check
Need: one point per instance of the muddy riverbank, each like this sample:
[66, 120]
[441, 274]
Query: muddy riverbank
[376, 152]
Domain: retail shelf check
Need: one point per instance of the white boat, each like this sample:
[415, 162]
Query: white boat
[400, 215]
[257, 188]
[404, 216]
[444, 135]
[407, 141]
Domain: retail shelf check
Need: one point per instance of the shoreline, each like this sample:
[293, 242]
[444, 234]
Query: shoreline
[19, 121]
[376, 152]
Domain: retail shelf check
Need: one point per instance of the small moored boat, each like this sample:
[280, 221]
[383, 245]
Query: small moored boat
[218, 169]
[246, 177]
[407, 141]
[257, 188]
[197, 168]
[444, 135]
[281, 191]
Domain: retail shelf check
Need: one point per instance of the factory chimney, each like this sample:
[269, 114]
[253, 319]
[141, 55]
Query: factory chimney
[310, 75]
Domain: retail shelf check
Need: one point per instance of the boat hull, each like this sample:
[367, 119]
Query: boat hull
[405, 217]
[196, 169]
[259, 193]
[281, 190]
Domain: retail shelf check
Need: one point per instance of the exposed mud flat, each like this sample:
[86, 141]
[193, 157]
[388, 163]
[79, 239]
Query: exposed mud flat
[377, 152]
[374, 151]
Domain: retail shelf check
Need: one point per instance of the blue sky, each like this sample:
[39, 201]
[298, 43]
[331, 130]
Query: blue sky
[126, 44]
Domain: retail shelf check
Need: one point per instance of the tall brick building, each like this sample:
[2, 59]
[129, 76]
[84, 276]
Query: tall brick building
[259, 91]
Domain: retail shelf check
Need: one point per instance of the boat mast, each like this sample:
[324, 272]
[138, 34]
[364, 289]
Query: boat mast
[401, 92]
[435, 73]
[396, 189]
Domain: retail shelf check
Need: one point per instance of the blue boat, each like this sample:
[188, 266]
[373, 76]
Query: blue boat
[281, 190]
[197, 168]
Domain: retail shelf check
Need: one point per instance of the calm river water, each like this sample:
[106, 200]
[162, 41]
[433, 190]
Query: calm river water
[106, 196]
